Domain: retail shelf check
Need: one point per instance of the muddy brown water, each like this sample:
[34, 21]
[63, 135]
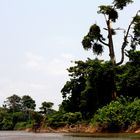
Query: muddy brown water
[21, 135]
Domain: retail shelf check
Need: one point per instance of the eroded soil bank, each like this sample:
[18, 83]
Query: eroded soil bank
[76, 129]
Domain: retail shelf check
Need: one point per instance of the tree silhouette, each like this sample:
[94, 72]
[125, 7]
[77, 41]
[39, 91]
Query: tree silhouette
[96, 41]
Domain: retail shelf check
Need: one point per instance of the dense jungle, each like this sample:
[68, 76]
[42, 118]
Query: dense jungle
[100, 94]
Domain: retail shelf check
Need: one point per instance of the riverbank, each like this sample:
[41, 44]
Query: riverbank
[77, 129]
[65, 129]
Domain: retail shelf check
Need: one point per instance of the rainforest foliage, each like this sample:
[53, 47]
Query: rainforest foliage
[119, 115]
[92, 82]
[102, 93]
[87, 97]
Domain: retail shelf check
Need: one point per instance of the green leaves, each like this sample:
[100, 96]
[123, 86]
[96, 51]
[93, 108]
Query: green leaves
[118, 115]
[90, 41]
[95, 41]
[128, 77]
[110, 11]
[72, 118]
[136, 30]
[46, 108]
[97, 48]
[94, 32]
[87, 43]
[27, 103]
[13, 103]
[88, 86]
[120, 4]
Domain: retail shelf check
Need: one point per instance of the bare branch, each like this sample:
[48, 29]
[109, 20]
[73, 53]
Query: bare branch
[125, 42]
[103, 42]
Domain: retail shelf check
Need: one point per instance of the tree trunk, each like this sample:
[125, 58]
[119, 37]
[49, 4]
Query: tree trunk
[111, 53]
[111, 47]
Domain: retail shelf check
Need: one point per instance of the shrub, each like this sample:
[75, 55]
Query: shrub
[55, 120]
[20, 125]
[59, 119]
[118, 115]
[72, 118]
[23, 125]
[7, 124]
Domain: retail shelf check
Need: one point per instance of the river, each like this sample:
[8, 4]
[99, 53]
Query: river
[20, 135]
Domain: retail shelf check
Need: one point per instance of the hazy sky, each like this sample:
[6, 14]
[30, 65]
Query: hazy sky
[40, 38]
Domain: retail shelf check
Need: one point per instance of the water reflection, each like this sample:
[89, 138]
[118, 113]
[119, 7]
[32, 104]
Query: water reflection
[19, 135]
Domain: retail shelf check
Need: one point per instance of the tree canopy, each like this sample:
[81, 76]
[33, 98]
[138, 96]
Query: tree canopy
[94, 83]
[27, 103]
[88, 95]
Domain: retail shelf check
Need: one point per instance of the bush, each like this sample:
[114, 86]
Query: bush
[19, 117]
[55, 120]
[118, 115]
[72, 118]
[7, 124]
[23, 125]
[20, 125]
[59, 119]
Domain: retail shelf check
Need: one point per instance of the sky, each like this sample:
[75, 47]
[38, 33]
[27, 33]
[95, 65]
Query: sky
[39, 39]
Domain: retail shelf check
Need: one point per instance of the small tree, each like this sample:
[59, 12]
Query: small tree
[46, 107]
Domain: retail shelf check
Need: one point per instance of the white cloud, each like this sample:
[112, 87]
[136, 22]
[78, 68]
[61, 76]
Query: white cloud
[67, 56]
[33, 60]
[38, 77]
[56, 66]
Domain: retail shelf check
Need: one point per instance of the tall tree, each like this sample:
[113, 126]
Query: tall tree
[96, 41]
[28, 103]
[46, 107]
[13, 103]
[87, 88]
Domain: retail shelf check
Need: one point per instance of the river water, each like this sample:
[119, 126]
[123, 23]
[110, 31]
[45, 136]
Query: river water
[20, 135]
